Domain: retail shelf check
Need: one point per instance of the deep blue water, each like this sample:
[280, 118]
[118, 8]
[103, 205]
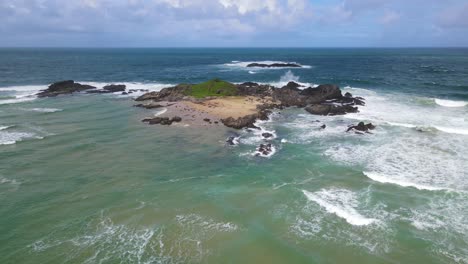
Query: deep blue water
[434, 72]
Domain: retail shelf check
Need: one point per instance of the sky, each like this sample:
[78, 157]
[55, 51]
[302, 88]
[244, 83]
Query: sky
[233, 23]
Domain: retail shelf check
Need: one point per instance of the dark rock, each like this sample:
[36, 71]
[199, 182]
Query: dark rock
[207, 120]
[250, 84]
[267, 135]
[113, 88]
[348, 95]
[326, 109]
[171, 94]
[323, 126]
[241, 122]
[361, 127]
[274, 65]
[177, 119]
[293, 86]
[162, 120]
[264, 149]
[64, 87]
[149, 106]
[322, 93]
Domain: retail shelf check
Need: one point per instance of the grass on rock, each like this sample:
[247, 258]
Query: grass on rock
[214, 87]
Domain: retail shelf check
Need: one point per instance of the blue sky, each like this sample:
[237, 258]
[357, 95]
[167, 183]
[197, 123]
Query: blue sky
[233, 23]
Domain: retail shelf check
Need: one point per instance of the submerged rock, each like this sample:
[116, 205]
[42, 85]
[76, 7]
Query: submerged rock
[64, 87]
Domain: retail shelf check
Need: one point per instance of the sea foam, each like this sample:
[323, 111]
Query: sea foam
[450, 103]
[341, 203]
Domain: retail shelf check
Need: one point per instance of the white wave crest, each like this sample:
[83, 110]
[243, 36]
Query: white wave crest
[386, 179]
[450, 103]
[43, 110]
[341, 203]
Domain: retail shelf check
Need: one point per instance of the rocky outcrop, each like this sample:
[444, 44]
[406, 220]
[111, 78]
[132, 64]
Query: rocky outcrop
[150, 106]
[274, 65]
[162, 120]
[64, 87]
[241, 122]
[112, 88]
[361, 127]
[170, 94]
[330, 109]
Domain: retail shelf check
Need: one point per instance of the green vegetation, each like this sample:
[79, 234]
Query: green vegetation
[214, 87]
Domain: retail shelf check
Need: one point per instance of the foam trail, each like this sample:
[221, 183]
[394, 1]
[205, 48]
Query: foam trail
[340, 203]
[45, 110]
[452, 130]
[450, 103]
[17, 100]
[384, 179]
[160, 112]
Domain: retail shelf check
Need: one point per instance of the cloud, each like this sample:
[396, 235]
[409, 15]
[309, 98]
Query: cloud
[454, 16]
[389, 17]
[230, 22]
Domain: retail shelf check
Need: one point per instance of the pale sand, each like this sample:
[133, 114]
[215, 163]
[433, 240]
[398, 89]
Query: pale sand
[194, 113]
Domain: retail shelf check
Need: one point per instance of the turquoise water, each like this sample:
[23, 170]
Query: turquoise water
[82, 180]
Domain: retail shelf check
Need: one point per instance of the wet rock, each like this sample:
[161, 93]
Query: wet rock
[166, 121]
[113, 88]
[207, 120]
[322, 93]
[264, 150]
[149, 106]
[293, 86]
[241, 122]
[361, 127]
[326, 109]
[64, 87]
[267, 135]
[177, 119]
[274, 65]
[323, 126]
[232, 140]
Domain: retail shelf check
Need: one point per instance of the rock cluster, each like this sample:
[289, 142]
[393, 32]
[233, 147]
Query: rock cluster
[361, 127]
[64, 87]
[112, 88]
[162, 120]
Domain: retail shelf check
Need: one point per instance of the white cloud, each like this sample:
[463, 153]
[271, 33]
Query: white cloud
[389, 17]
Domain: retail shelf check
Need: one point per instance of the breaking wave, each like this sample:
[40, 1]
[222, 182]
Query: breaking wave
[342, 203]
[450, 103]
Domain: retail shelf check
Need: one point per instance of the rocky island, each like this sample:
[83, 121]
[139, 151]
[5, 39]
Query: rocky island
[241, 105]
[217, 102]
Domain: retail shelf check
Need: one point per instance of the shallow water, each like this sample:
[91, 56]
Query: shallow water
[82, 180]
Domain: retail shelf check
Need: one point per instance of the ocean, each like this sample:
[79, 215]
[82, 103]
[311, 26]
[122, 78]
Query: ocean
[83, 180]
